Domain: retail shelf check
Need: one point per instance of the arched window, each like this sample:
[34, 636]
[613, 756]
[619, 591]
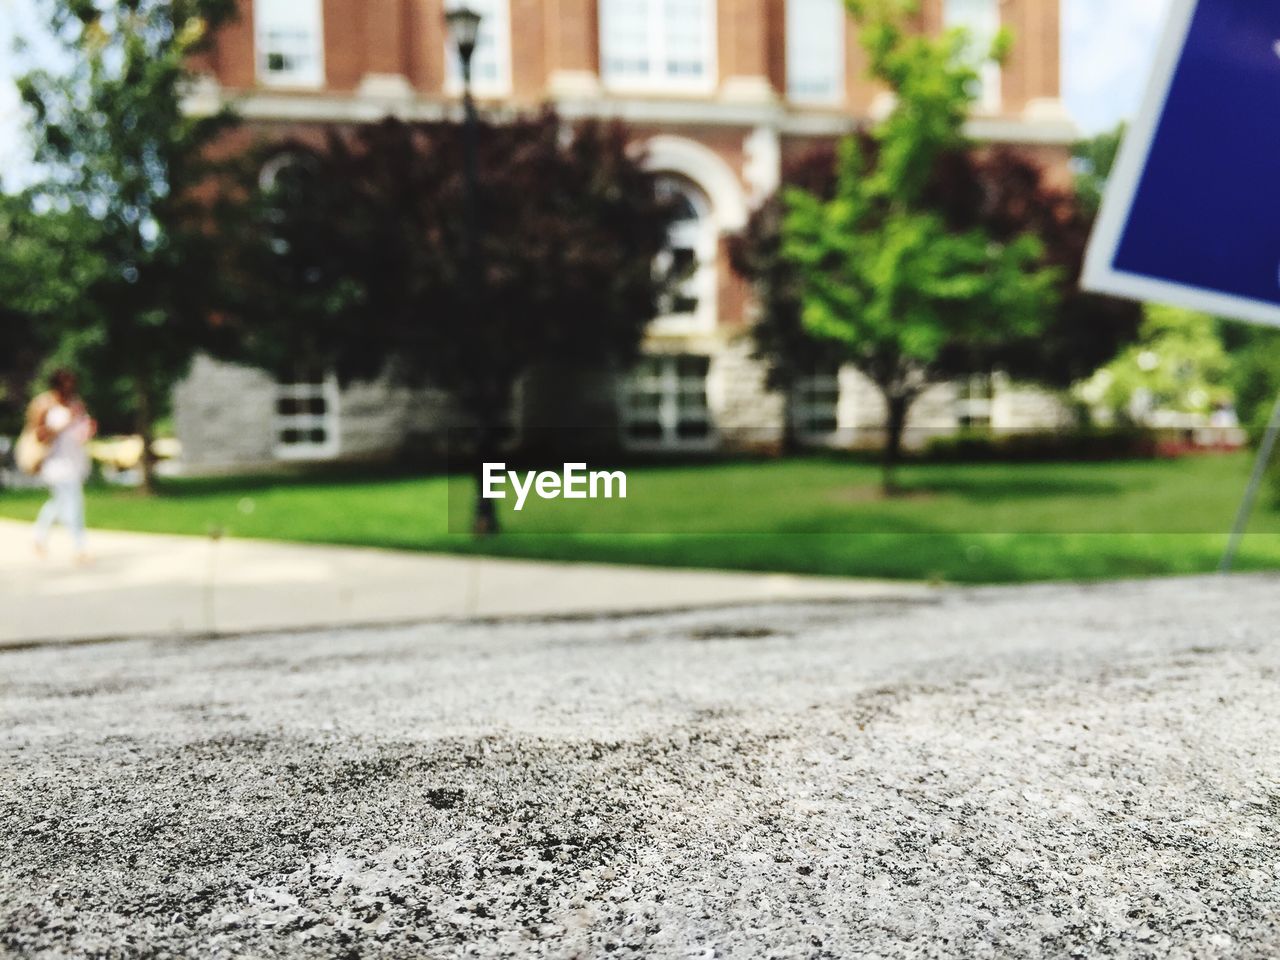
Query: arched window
[283, 181]
[286, 174]
[689, 261]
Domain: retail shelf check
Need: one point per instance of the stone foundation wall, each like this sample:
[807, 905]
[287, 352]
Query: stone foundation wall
[1025, 407]
[224, 413]
[747, 416]
[382, 419]
[224, 416]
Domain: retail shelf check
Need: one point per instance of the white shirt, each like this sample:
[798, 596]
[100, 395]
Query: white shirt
[67, 462]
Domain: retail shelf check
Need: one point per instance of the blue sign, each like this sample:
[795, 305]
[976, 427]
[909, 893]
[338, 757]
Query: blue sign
[1192, 213]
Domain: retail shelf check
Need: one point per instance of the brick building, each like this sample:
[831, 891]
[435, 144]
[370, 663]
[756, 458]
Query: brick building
[721, 92]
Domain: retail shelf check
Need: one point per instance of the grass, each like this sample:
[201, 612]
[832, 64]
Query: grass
[977, 523]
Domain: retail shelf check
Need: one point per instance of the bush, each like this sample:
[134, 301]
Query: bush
[1086, 445]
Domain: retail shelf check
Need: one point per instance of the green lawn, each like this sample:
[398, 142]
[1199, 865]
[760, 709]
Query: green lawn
[981, 523]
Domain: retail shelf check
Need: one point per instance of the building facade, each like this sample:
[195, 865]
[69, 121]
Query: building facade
[720, 93]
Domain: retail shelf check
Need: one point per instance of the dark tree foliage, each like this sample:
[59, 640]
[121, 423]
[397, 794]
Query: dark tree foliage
[999, 190]
[20, 343]
[44, 270]
[361, 254]
[1007, 194]
[117, 146]
[360, 260]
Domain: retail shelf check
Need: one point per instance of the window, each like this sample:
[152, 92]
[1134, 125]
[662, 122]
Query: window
[815, 50]
[491, 63]
[974, 403]
[982, 19]
[815, 401]
[289, 36]
[306, 420]
[658, 44]
[664, 403]
[689, 262]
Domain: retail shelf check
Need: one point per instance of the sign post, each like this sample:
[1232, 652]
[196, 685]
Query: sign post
[1192, 211]
[1251, 494]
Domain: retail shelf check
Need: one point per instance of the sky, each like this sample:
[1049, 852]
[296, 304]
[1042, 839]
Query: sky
[1108, 47]
[11, 148]
[1107, 51]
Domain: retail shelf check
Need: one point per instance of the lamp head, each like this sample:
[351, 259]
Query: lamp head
[464, 27]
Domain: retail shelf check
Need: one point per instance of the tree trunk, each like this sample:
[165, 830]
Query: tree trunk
[489, 415]
[146, 429]
[790, 437]
[485, 521]
[897, 406]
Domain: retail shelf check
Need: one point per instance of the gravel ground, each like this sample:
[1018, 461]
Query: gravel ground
[1043, 772]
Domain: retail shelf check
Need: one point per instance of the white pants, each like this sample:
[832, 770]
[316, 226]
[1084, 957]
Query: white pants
[66, 504]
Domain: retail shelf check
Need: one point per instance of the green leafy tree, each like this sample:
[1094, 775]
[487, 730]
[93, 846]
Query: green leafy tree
[111, 133]
[787, 349]
[1001, 191]
[359, 262]
[1094, 159]
[1179, 364]
[43, 272]
[883, 273]
[1255, 371]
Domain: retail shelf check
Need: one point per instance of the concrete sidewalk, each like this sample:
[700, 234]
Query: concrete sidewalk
[143, 584]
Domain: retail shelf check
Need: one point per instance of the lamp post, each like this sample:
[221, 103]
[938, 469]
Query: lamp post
[464, 27]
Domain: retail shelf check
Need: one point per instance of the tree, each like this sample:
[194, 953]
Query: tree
[360, 265]
[1179, 364]
[1255, 371]
[117, 146]
[788, 350]
[883, 274]
[19, 323]
[999, 190]
[43, 272]
[1004, 193]
[1094, 158]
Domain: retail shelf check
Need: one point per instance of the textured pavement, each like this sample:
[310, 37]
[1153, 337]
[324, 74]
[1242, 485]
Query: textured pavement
[1033, 772]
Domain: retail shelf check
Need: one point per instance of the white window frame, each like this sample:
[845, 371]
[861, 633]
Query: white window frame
[802, 411]
[495, 35]
[667, 383]
[330, 420]
[657, 80]
[976, 400]
[703, 238]
[304, 16]
[797, 54]
[983, 32]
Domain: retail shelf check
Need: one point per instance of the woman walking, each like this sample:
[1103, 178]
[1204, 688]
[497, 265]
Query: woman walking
[60, 422]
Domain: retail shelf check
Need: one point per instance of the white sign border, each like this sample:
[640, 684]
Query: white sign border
[1100, 275]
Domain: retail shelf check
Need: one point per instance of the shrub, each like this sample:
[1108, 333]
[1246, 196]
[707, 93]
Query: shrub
[1087, 445]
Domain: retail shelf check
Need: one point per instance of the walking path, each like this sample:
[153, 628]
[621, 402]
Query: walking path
[145, 584]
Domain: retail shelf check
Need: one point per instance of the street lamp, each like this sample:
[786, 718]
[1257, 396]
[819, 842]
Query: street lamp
[464, 27]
